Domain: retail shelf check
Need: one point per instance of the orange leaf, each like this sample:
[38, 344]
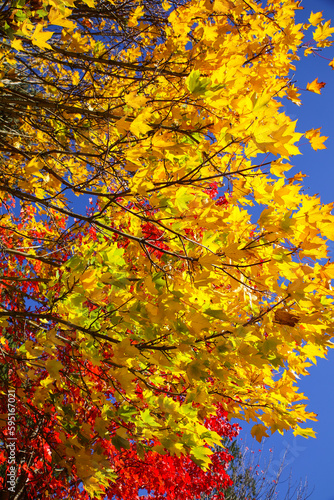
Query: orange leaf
[259, 431]
[315, 86]
[316, 141]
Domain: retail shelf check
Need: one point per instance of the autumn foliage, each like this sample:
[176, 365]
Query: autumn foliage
[145, 297]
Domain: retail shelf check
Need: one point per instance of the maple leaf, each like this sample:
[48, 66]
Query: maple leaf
[133, 21]
[40, 37]
[317, 142]
[285, 318]
[59, 18]
[323, 32]
[134, 100]
[17, 45]
[259, 432]
[315, 18]
[304, 432]
[139, 126]
[315, 86]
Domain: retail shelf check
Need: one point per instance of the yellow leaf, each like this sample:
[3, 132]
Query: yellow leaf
[322, 32]
[313, 352]
[328, 230]
[90, 3]
[34, 166]
[135, 100]
[162, 141]
[316, 18]
[53, 366]
[139, 126]
[40, 37]
[329, 270]
[165, 5]
[88, 279]
[27, 27]
[133, 21]
[296, 285]
[183, 198]
[304, 432]
[234, 253]
[59, 19]
[260, 101]
[278, 168]
[123, 125]
[125, 350]
[97, 294]
[47, 381]
[221, 6]
[75, 77]
[293, 95]
[17, 44]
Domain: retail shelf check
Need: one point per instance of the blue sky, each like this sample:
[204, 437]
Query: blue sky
[312, 458]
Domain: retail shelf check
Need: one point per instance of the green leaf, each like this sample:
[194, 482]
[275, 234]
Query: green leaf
[270, 345]
[75, 263]
[148, 419]
[216, 313]
[126, 412]
[200, 455]
[194, 371]
[182, 198]
[120, 442]
[196, 84]
[21, 15]
[42, 12]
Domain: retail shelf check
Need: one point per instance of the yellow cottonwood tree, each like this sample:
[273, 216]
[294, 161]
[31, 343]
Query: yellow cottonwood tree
[137, 292]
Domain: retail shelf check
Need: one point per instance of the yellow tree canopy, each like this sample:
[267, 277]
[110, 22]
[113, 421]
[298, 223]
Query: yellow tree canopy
[172, 292]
